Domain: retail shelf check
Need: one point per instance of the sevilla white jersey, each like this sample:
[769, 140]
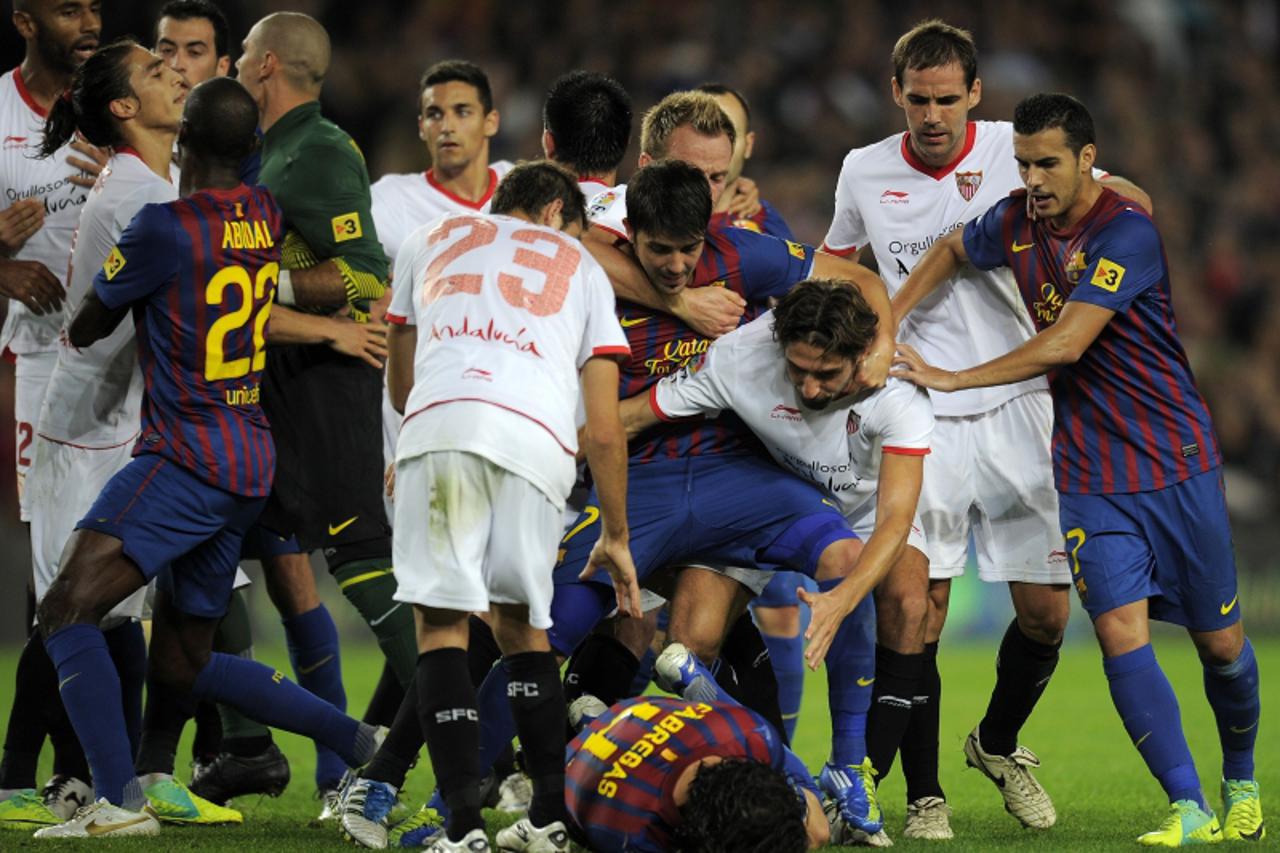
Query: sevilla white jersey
[888, 198]
[507, 312]
[838, 448]
[608, 210]
[95, 394]
[25, 175]
[404, 203]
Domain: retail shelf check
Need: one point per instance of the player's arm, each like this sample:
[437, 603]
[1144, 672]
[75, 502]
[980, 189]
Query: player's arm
[366, 341]
[94, 321]
[605, 444]
[140, 264]
[710, 311]
[897, 494]
[1129, 190]
[402, 341]
[1061, 344]
[938, 264]
[873, 370]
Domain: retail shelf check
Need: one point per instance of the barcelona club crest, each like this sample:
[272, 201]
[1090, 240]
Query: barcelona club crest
[968, 183]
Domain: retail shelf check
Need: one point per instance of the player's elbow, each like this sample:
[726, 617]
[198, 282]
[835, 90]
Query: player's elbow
[82, 332]
[1066, 351]
[603, 436]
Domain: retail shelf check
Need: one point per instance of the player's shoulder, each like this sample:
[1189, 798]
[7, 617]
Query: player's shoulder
[877, 152]
[750, 338]
[398, 187]
[900, 397]
[611, 200]
[501, 167]
[1123, 222]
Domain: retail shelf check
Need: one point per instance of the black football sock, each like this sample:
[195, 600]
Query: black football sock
[403, 742]
[602, 667]
[1023, 670]
[386, 699]
[207, 742]
[128, 647]
[482, 649]
[35, 686]
[451, 723]
[538, 706]
[746, 673]
[168, 710]
[919, 747]
[897, 676]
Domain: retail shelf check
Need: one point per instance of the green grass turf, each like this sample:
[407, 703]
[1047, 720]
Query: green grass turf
[1102, 791]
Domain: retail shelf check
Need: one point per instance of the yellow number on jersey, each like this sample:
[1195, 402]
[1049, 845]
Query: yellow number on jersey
[215, 364]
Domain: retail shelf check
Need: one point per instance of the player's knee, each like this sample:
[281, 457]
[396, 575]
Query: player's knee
[68, 604]
[838, 559]
[1219, 648]
[901, 619]
[1043, 618]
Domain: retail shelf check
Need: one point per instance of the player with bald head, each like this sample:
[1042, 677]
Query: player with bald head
[328, 494]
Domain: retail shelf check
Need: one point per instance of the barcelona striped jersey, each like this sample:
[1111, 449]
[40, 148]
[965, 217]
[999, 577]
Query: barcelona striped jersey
[1127, 416]
[201, 274]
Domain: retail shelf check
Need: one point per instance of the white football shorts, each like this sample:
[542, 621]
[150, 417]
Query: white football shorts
[31, 374]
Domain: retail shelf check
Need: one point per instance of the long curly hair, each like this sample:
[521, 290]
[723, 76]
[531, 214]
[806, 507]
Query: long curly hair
[741, 806]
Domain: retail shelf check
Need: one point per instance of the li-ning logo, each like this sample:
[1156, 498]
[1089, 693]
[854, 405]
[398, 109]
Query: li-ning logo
[450, 715]
[477, 373]
[785, 413]
[894, 197]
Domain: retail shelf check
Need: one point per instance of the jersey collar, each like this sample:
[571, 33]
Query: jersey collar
[1099, 203]
[430, 175]
[940, 172]
[25, 94]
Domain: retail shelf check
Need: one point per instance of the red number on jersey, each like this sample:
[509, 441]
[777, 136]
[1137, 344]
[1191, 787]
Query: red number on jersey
[481, 233]
[25, 433]
[558, 268]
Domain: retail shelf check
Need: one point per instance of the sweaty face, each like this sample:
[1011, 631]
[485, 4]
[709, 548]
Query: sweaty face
[159, 90]
[66, 32]
[189, 48]
[712, 155]
[668, 261]
[818, 377]
[937, 103]
[1051, 172]
[454, 125]
[743, 139]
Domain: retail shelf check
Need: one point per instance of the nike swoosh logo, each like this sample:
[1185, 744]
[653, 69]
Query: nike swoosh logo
[63, 683]
[373, 623]
[1245, 730]
[335, 529]
[1227, 608]
[1020, 247]
[95, 828]
[1139, 741]
[628, 322]
[865, 682]
[307, 670]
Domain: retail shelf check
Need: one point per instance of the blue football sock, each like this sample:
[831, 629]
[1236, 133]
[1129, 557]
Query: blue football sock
[787, 656]
[851, 667]
[266, 695]
[90, 690]
[314, 653]
[497, 725]
[1149, 709]
[1232, 691]
[128, 648]
[644, 674]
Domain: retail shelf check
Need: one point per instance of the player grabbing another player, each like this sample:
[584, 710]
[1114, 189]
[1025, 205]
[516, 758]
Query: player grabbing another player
[654, 774]
[500, 313]
[202, 466]
[1135, 460]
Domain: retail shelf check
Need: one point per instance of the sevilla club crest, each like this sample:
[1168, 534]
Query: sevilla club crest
[851, 426]
[968, 183]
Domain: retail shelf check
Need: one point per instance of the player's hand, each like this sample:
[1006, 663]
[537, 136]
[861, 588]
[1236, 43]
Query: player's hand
[829, 610]
[378, 310]
[746, 198]
[873, 368]
[31, 283]
[709, 311]
[908, 364]
[89, 166]
[614, 556]
[365, 341]
[389, 481]
[18, 222]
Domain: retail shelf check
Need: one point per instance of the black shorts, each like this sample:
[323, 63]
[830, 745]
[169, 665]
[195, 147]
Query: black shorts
[325, 411]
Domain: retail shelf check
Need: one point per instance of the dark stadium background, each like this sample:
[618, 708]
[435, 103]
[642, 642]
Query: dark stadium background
[1184, 93]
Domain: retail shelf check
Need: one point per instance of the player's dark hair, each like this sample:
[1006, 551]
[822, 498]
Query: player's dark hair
[220, 122]
[669, 197]
[933, 44]
[1047, 111]
[739, 806]
[186, 10]
[589, 115]
[86, 105]
[458, 71]
[722, 89]
[534, 184]
[828, 314]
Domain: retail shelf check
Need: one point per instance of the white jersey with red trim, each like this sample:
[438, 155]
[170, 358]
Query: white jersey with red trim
[95, 394]
[506, 312]
[838, 448]
[23, 174]
[403, 203]
[607, 209]
[888, 198]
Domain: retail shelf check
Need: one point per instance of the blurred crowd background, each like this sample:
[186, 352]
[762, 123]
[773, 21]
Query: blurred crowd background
[1184, 92]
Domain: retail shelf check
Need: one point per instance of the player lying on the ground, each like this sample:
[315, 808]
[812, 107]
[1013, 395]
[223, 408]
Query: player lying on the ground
[654, 773]
[1136, 463]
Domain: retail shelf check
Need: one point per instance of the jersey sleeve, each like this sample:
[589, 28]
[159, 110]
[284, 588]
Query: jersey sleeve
[770, 266]
[142, 262]
[386, 218]
[847, 232]
[607, 210]
[698, 388]
[604, 337]
[983, 237]
[400, 311]
[905, 419]
[1126, 259]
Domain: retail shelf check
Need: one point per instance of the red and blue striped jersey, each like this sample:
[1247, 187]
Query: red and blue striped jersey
[1127, 415]
[766, 220]
[622, 769]
[201, 275]
[757, 267]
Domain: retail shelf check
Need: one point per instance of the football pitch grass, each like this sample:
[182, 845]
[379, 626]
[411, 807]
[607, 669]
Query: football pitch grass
[1102, 791]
